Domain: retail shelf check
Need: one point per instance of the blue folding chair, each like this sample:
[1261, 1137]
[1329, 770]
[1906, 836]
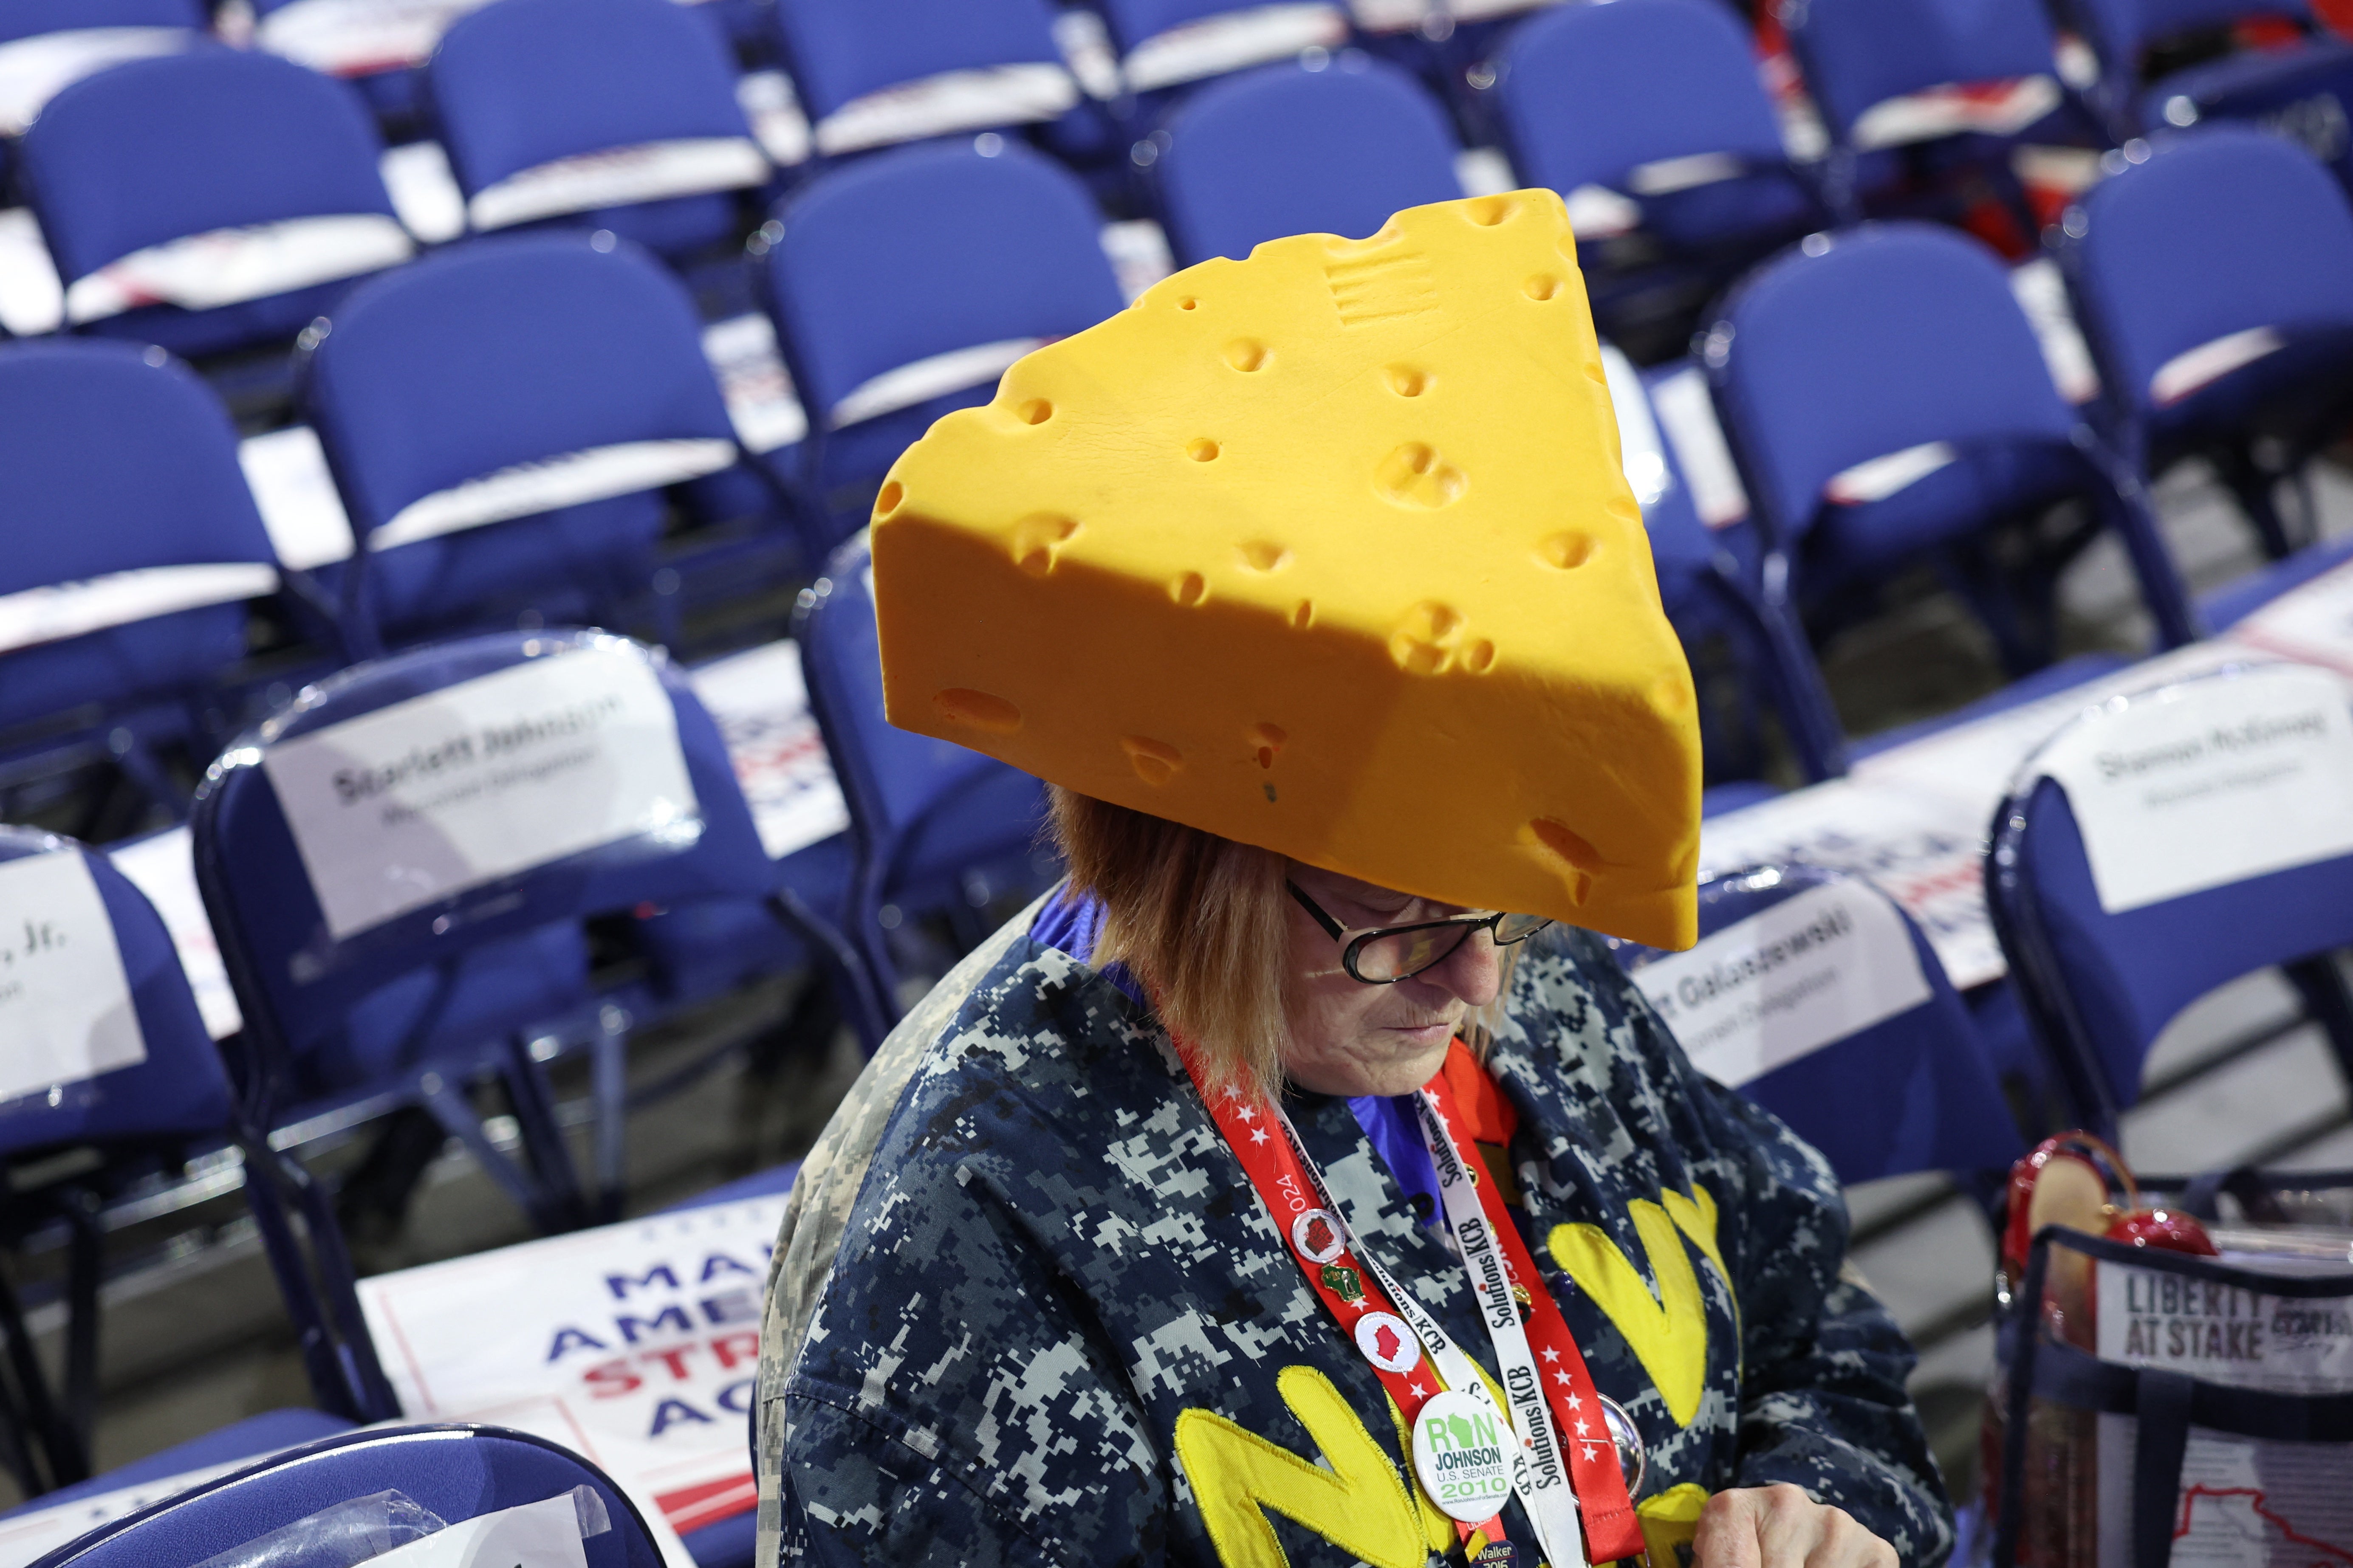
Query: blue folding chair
[2099, 986]
[2175, 63]
[1889, 404]
[32, 18]
[936, 830]
[524, 84]
[184, 145]
[409, 1482]
[101, 33]
[949, 258]
[1861, 55]
[409, 1010]
[126, 1126]
[845, 58]
[124, 592]
[1712, 587]
[1658, 102]
[502, 419]
[1328, 147]
[1912, 1092]
[2229, 237]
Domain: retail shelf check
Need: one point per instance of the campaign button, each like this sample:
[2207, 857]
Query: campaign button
[1316, 1235]
[1388, 1344]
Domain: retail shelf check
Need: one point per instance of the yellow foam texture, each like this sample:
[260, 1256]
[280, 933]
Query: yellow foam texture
[1328, 552]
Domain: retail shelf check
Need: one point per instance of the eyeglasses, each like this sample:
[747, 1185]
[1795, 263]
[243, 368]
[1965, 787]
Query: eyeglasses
[1383, 955]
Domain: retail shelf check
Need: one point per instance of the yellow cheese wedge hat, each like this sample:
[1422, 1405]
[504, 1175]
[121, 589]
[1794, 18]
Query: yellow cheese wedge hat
[1328, 552]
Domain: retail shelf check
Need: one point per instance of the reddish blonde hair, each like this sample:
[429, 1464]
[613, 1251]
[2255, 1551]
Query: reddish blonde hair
[1204, 923]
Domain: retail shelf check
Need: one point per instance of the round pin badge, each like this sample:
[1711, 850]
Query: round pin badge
[1388, 1344]
[1316, 1236]
[1462, 1451]
[1629, 1439]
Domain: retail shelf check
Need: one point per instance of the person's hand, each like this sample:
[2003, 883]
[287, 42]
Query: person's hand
[1781, 1527]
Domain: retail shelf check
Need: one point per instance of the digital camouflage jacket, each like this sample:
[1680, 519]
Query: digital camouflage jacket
[1027, 1309]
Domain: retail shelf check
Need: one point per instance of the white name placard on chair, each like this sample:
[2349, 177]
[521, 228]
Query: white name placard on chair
[2210, 783]
[636, 1345]
[1812, 970]
[64, 1003]
[425, 799]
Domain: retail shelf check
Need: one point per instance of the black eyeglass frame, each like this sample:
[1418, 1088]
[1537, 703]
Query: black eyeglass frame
[1354, 940]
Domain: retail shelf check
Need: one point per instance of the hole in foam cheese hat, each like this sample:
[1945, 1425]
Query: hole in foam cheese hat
[1329, 552]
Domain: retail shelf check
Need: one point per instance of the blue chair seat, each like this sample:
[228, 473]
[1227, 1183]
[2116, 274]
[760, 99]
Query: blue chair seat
[1740, 793]
[2048, 681]
[1865, 540]
[2226, 607]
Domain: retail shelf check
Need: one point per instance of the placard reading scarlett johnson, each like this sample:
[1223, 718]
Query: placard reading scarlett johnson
[406, 806]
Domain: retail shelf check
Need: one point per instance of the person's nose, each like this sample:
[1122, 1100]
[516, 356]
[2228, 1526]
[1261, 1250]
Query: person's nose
[1471, 973]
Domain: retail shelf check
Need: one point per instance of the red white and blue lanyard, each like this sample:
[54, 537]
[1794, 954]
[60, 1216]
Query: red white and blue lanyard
[1540, 1354]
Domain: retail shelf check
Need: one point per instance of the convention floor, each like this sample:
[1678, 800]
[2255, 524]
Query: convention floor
[197, 1341]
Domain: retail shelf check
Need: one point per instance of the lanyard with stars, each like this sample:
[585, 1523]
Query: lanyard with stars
[1554, 1406]
[1391, 1330]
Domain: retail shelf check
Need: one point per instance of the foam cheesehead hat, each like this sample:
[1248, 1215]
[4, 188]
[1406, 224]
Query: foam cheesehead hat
[1327, 552]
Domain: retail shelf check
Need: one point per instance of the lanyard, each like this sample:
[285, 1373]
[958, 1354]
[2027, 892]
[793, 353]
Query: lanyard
[1554, 1407]
[1393, 1332]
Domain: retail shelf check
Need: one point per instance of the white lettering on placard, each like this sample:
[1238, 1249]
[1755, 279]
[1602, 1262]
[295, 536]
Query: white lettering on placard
[64, 1003]
[2210, 783]
[544, 1534]
[637, 1344]
[1812, 970]
[427, 798]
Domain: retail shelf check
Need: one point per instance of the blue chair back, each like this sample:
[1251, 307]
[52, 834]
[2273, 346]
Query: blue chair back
[508, 351]
[1867, 343]
[1134, 21]
[2102, 985]
[1859, 53]
[2221, 232]
[110, 464]
[2120, 29]
[453, 1472]
[1916, 1091]
[924, 250]
[163, 148]
[525, 82]
[298, 984]
[1287, 148]
[155, 150]
[1588, 93]
[179, 1091]
[841, 53]
[31, 18]
[922, 811]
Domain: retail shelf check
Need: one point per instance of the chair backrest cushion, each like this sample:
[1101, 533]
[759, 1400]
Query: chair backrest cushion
[178, 1090]
[1287, 148]
[478, 751]
[2226, 231]
[31, 18]
[453, 1472]
[1590, 92]
[1858, 53]
[926, 251]
[2129, 969]
[840, 53]
[161, 149]
[527, 82]
[1864, 344]
[503, 351]
[110, 464]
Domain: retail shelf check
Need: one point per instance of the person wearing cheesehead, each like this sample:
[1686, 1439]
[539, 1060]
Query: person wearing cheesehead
[1265, 1195]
